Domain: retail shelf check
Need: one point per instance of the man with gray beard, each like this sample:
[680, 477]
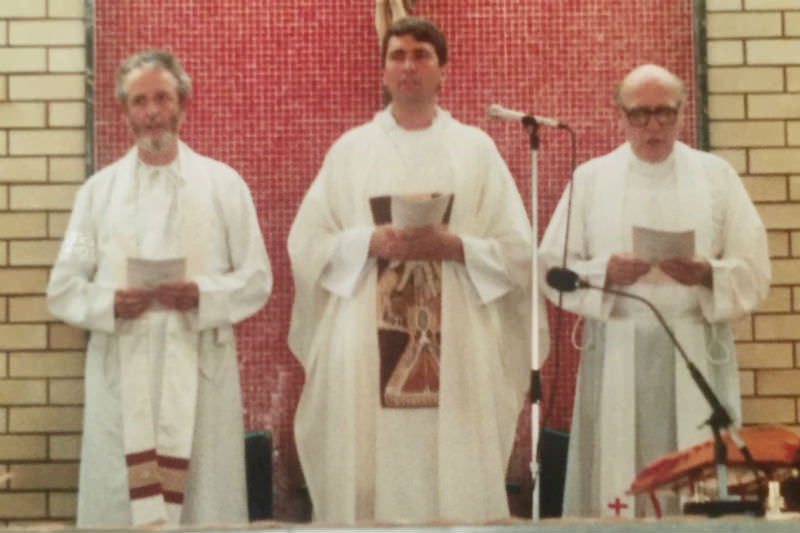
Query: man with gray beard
[162, 255]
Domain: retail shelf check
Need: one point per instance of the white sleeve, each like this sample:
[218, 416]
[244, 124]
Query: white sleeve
[483, 259]
[741, 273]
[73, 295]
[592, 303]
[229, 297]
[497, 249]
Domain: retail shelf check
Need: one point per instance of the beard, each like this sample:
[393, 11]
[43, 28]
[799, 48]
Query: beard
[159, 143]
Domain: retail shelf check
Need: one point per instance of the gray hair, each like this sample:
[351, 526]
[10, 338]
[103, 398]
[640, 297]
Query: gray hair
[153, 59]
[645, 71]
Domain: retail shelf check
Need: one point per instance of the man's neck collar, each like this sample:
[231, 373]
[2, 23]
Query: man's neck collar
[649, 168]
[414, 118]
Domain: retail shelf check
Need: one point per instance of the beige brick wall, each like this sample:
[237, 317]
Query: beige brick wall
[42, 136]
[752, 51]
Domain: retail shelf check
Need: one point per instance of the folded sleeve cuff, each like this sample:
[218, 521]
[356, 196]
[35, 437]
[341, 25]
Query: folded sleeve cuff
[213, 306]
[347, 262]
[101, 308]
[485, 268]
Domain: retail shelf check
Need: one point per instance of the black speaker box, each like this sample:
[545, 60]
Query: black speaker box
[258, 459]
[553, 446]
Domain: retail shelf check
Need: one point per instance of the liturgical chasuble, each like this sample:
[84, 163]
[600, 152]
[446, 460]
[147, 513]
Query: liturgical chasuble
[364, 459]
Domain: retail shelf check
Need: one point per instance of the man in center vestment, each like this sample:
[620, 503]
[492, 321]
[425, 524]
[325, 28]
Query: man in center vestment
[411, 261]
[673, 225]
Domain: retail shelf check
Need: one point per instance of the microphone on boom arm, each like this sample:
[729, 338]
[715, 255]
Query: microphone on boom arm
[565, 280]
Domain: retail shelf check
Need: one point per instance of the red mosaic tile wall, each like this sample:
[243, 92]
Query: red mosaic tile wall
[276, 81]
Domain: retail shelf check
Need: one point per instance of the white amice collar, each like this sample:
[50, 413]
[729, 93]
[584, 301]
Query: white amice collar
[172, 169]
[654, 170]
[390, 123]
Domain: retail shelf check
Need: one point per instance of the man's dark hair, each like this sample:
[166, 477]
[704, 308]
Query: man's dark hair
[423, 30]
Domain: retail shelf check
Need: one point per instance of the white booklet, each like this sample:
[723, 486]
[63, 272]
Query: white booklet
[424, 210]
[654, 246]
[149, 273]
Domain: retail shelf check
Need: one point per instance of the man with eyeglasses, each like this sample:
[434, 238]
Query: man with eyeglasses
[707, 264]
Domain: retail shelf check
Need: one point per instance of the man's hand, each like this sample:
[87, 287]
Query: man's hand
[427, 243]
[433, 243]
[387, 243]
[625, 269]
[131, 303]
[688, 270]
[177, 295]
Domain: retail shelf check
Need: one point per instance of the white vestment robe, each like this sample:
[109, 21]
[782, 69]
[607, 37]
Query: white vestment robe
[196, 208]
[365, 462]
[635, 400]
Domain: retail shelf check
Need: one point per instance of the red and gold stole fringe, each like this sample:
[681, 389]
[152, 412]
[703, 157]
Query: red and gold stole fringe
[150, 474]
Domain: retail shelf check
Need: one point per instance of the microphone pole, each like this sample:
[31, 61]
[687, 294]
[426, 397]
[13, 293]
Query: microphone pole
[565, 280]
[532, 127]
[531, 124]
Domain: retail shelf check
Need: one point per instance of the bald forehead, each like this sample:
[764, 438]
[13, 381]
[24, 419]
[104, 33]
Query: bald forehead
[652, 76]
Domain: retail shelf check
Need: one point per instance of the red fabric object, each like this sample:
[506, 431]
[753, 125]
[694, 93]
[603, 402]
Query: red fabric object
[774, 450]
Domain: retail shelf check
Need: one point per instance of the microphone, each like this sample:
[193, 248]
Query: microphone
[498, 112]
[564, 280]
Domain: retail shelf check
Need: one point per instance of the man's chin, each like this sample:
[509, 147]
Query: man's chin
[162, 143]
[653, 152]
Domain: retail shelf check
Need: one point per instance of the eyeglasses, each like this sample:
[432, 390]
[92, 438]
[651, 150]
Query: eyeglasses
[640, 116]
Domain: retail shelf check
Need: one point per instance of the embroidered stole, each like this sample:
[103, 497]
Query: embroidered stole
[409, 310]
[158, 444]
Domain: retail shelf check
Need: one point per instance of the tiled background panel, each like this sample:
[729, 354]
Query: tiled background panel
[277, 81]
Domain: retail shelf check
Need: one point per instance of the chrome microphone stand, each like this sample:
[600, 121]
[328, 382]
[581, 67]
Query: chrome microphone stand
[532, 127]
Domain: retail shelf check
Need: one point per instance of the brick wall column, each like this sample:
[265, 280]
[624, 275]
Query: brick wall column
[42, 131]
[753, 48]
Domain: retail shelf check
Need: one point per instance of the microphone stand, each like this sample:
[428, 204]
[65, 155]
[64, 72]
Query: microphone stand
[532, 127]
[718, 421]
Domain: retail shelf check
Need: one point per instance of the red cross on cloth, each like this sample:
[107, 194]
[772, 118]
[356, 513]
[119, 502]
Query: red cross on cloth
[618, 506]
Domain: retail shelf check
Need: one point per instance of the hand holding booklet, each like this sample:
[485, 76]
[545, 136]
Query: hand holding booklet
[150, 273]
[654, 246]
